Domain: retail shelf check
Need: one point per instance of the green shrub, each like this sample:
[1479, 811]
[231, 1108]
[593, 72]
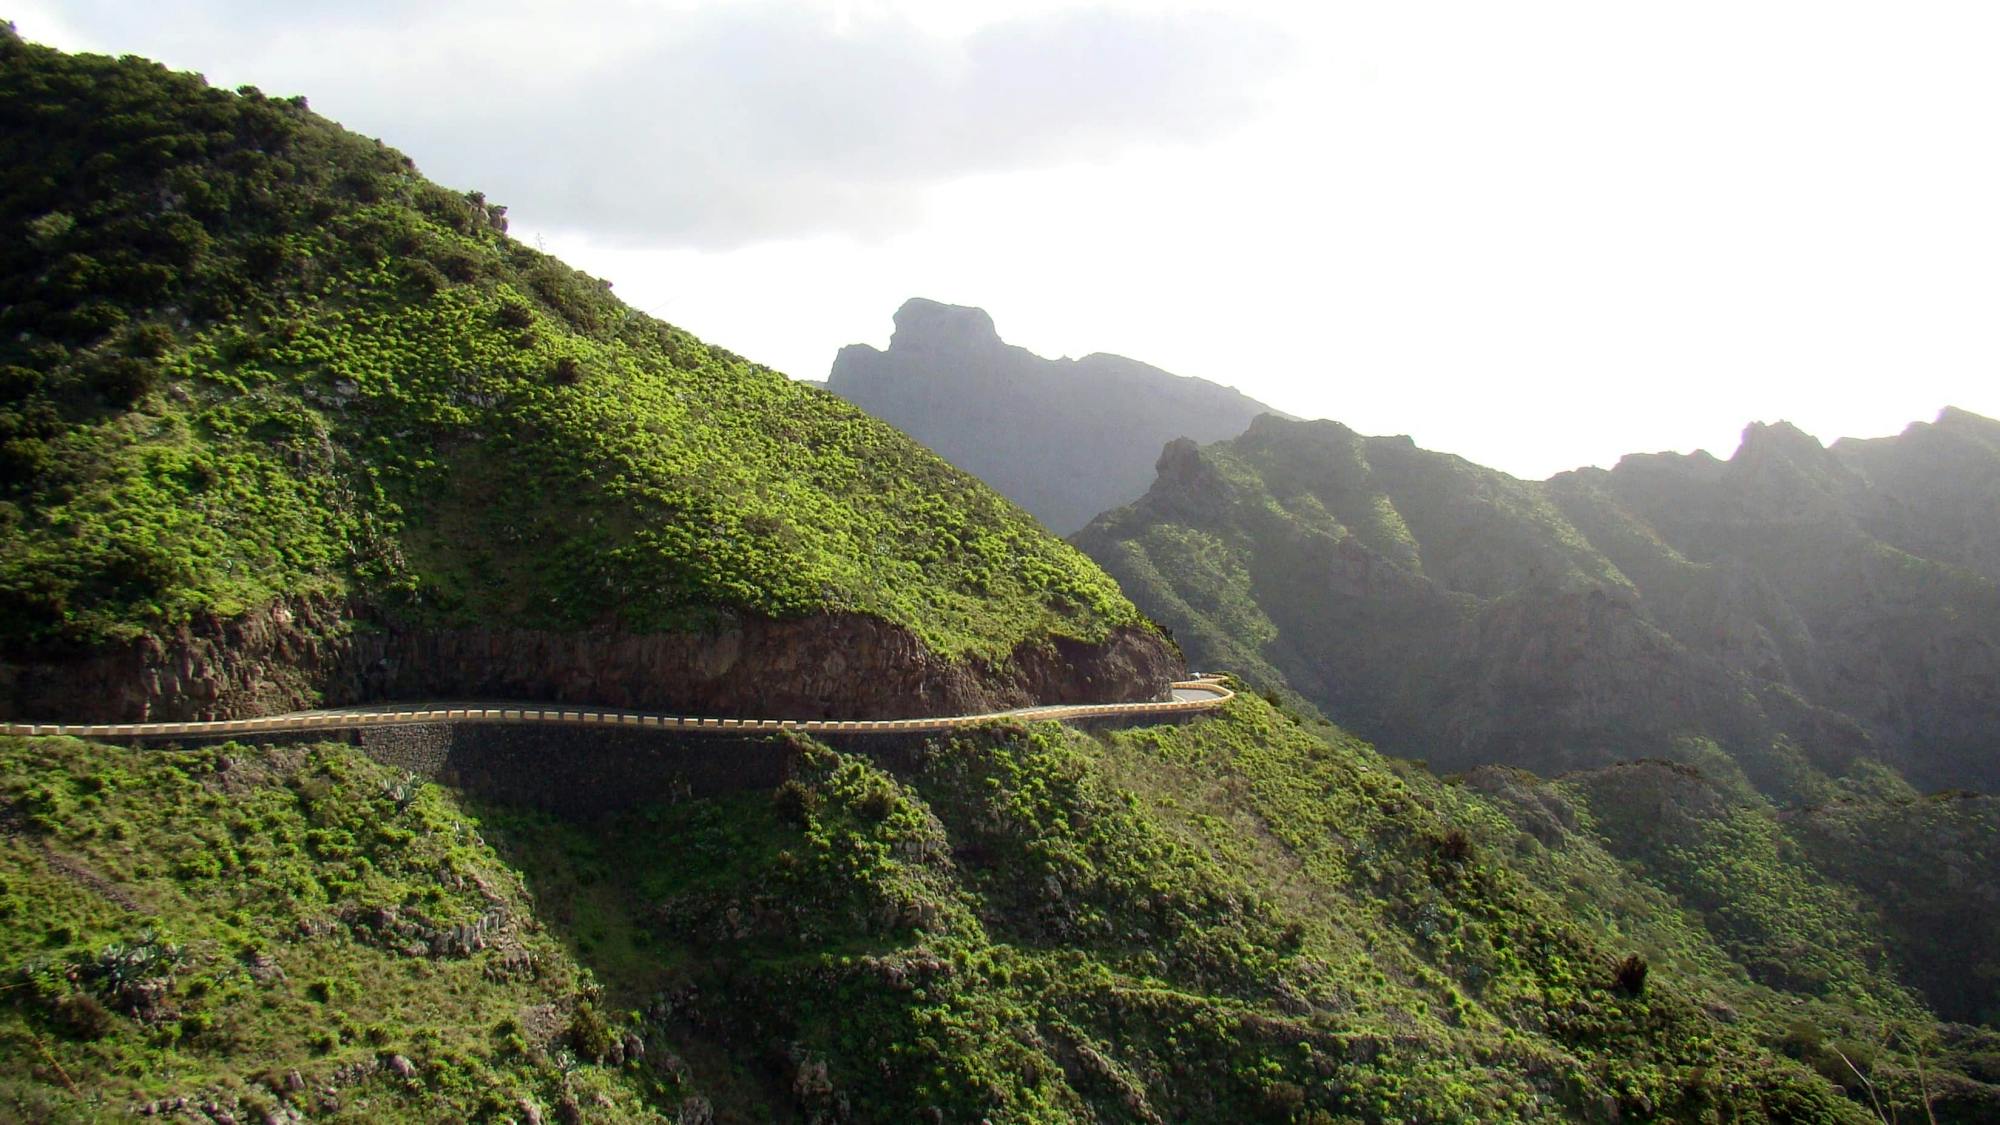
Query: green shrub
[514, 314]
[794, 801]
[589, 1034]
[1629, 976]
[877, 804]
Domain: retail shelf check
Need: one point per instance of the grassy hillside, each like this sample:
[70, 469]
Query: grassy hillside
[1840, 933]
[246, 355]
[252, 930]
[1921, 867]
[1244, 918]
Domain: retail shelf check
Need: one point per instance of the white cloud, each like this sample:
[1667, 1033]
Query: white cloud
[1539, 234]
[721, 125]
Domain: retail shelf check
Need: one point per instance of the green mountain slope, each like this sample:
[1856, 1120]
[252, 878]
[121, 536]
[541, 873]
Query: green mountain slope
[263, 387]
[1809, 609]
[1828, 901]
[1242, 918]
[241, 932]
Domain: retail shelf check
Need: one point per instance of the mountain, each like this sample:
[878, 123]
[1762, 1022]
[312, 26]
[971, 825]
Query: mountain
[1810, 609]
[1250, 917]
[1064, 438]
[282, 423]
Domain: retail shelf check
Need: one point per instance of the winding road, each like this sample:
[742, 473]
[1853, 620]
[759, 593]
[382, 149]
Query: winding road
[1202, 693]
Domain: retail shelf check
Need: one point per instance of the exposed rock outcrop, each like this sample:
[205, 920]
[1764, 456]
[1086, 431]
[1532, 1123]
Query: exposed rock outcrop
[307, 653]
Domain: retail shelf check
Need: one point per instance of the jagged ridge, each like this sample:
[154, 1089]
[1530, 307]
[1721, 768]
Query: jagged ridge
[1806, 607]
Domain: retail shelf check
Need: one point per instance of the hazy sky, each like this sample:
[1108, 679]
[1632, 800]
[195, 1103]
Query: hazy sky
[1536, 234]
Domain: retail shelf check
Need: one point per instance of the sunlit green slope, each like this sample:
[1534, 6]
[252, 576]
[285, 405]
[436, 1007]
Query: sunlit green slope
[246, 356]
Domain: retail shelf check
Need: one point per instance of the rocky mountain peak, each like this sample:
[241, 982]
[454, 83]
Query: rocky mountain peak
[1966, 422]
[1786, 469]
[1777, 440]
[924, 325]
[1180, 461]
[1188, 480]
[1065, 439]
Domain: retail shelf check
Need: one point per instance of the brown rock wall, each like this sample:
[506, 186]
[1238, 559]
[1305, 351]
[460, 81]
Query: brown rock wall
[315, 653]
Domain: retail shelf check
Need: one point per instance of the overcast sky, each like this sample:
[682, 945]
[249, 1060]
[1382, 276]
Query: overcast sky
[1537, 234]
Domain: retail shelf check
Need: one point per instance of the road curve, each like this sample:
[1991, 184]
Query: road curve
[1203, 693]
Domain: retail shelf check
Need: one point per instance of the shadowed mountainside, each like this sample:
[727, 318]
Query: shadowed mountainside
[1063, 438]
[1805, 607]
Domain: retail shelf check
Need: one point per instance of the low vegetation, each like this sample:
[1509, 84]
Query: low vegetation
[1248, 917]
[245, 933]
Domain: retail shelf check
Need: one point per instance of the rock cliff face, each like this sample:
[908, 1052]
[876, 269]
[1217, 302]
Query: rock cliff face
[1806, 607]
[1065, 439]
[1931, 476]
[306, 654]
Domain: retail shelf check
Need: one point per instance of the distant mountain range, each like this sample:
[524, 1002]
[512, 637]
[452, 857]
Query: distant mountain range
[1810, 610]
[1064, 438]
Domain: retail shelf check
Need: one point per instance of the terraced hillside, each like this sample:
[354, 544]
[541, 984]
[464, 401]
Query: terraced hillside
[282, 422]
